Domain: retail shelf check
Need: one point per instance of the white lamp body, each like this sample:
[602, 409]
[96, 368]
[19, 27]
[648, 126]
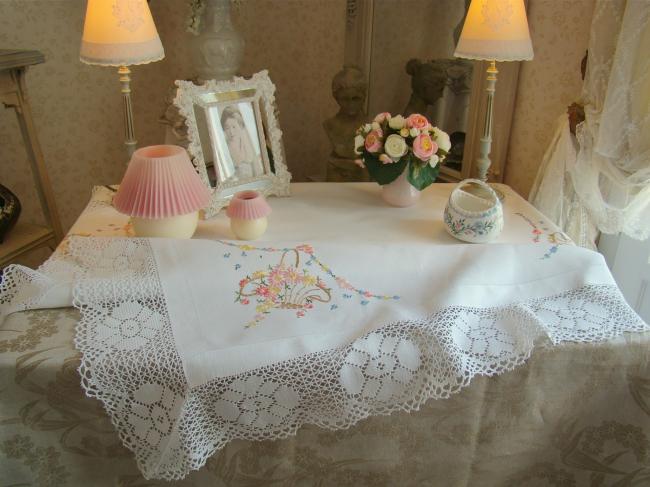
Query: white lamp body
[248, 229]
[181, 226]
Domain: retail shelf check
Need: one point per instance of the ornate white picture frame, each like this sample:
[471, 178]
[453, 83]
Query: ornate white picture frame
[251, 157]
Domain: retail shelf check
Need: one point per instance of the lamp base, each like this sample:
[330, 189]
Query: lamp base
[248, 229]
[181, 226]
[129, 130]
[476, 190]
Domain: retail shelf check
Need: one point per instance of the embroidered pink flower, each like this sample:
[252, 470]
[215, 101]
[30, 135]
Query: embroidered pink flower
[424, 147]
[381, 117]
[245, 301]
[343, 284]
[308, 249]
[373, 141]
[243, 282]
[275, 278]
[368, 294]
[262, 291]
[417, 121]
[309, 306]
[292, 276]
[300, 314]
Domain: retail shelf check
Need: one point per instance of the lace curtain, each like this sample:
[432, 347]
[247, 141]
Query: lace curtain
[603, 183]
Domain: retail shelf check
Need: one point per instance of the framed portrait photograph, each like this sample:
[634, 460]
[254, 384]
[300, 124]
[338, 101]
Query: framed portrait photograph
[235, 141]
[238, 141]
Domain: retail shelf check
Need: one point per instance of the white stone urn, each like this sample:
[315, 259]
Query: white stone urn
[218, 49]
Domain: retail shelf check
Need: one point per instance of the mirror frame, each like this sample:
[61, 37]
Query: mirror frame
[260, 90]
[358, 51]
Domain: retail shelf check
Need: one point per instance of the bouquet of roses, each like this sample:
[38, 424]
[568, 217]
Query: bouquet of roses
[389, 145]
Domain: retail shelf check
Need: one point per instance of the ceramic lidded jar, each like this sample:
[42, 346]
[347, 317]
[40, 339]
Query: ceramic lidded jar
[248, 211]
[472, 218]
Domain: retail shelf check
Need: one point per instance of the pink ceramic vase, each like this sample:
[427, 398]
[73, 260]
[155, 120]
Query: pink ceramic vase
[400, 192]
[247, 212]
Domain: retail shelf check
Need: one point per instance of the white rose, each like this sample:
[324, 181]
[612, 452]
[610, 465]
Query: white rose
[358, 143]
[396, 122]
[404, 132]
[367, 128]
[395, 146]
[375, 126]
[442, 139]
[414, 132]
[433, 160]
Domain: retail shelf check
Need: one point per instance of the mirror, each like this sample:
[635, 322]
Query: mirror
[416, 72]
[234, 138]
[419, 74]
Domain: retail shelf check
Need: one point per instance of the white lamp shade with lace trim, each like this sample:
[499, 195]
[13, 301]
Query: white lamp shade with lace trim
[120, 33]
[495, 30]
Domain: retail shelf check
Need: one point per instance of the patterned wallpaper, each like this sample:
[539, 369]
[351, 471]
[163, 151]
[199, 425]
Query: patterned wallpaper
[548, 84]
[77, 108]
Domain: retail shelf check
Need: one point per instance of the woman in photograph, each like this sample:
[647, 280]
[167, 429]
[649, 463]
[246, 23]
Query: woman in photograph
[247, 162]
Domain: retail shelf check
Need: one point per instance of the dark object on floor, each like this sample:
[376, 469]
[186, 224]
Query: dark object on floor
[9, 211]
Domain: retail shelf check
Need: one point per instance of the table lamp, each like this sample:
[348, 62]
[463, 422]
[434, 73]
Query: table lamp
[494, 30]
[121, 33]
[162, 193]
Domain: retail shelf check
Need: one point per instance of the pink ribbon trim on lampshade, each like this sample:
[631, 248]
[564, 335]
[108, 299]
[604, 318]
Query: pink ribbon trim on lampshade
[160, 182]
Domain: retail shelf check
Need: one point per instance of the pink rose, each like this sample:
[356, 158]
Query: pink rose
[382, 117]
[373, 141]
[417, 121]
[424, 147]
[385, 159]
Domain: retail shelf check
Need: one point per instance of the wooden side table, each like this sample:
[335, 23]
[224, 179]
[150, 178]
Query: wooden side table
[13, 94]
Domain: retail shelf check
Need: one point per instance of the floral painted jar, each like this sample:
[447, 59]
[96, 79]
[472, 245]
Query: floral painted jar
[472, 218]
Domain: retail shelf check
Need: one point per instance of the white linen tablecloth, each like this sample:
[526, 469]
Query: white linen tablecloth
[190, 344]
[169, 347]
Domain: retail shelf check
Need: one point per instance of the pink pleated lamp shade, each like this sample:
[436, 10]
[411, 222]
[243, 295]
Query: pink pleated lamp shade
[248, 205]
[160, 182]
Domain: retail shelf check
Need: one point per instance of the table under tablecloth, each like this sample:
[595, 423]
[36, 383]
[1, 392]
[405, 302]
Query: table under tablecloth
[38, 368]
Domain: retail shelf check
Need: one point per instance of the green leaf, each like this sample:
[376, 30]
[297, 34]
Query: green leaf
[421, 174]
[383, 173]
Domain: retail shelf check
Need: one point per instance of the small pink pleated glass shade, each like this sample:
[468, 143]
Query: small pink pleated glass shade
[248, 205]
[160, 182]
